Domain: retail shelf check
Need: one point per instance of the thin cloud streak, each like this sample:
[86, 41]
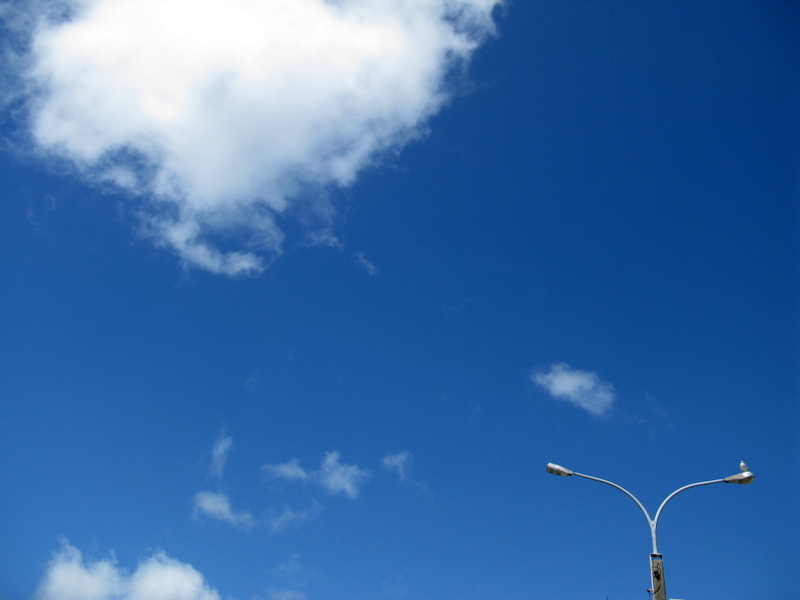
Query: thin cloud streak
[221, 117]
[366, 265]
[289, 470]
[581, 388]
[217, 506]
[219, 454]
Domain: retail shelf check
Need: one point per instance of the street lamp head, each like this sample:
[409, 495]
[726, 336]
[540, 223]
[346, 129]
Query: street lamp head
[745, 477]
[558, 470]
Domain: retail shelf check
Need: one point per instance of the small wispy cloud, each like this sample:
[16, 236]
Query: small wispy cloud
[285, 595]
[339, 478]
[69, 576]
[400, 462]
[333, 475]
[366, 265]
[217, 506]
[219, 454]
[581, 388]
[289, 518]
[289, 567]
[290, 470]
[234, 115]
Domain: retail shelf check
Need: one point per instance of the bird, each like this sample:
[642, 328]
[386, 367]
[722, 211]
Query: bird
[743, 467]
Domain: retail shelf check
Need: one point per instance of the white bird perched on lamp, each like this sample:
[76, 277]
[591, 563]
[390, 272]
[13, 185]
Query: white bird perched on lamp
[743, 467]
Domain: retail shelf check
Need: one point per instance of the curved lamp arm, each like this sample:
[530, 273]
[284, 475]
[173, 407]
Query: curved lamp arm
[745, 477]
[651, 522]
[658, 588]
[672, 495]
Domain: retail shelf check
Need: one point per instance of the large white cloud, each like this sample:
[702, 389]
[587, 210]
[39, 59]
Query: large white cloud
[159, 577]
[582, 388]
[226, 115]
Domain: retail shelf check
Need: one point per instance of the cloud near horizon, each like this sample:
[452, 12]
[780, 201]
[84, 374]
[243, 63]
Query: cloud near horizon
[69, 577]
[222, 118]
[581, 388]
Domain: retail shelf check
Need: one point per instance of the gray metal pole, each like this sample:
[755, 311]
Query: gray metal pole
[658, 584]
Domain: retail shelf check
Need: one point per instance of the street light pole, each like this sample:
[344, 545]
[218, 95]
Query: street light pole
[657, 583]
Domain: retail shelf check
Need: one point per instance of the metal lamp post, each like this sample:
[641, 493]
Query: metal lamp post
[658, 585]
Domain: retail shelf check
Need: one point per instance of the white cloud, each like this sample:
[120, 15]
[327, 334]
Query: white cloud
[219, 454]
[289, 470]
[582, 388]
[333, 476]
[223, 115]
[338, 478]
[218, 506]
[399, 462]
[69, 577]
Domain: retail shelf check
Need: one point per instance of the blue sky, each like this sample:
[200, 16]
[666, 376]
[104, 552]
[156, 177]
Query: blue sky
[299, 298]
